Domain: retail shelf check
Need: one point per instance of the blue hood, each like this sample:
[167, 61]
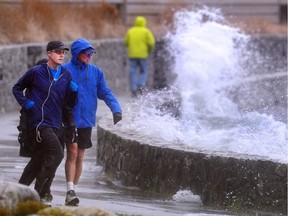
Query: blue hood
[76, 47]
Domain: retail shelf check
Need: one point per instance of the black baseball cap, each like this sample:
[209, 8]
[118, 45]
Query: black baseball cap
[56, 45]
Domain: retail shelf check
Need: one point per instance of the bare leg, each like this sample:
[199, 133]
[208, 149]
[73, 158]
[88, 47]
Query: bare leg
[79, 165]
[70, 163]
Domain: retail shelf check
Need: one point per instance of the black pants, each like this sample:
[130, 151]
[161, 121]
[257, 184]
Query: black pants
[44, 162]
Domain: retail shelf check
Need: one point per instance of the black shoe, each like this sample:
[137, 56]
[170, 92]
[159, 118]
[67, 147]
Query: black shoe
[71, 198]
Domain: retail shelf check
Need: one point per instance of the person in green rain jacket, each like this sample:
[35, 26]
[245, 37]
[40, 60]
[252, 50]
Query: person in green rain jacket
[140, 42]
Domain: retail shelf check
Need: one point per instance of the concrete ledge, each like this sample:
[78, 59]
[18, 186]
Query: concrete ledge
[220, 181]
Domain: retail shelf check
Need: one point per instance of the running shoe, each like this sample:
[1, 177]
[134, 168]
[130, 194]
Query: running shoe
[47, 199]
[71, 198]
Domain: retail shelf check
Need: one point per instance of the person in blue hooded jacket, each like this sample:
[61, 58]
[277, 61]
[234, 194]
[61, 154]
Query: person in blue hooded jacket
[91, 87]
[48, 90]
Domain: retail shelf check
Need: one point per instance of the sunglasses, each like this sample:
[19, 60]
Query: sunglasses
[59, 52]
[87, 55]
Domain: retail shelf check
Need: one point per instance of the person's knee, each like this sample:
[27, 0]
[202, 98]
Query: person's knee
[80, 156]
[72, 154]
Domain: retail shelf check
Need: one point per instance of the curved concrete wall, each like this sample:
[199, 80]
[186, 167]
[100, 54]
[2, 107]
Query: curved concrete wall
[246, 184]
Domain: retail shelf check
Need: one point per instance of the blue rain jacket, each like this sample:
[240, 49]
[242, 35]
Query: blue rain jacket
[49, 95]
[91, 85]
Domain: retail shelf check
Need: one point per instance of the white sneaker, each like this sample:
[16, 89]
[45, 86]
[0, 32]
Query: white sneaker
[71, 198]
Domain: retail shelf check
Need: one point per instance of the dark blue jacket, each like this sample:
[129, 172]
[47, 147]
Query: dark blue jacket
[49, 95]
[91, 86]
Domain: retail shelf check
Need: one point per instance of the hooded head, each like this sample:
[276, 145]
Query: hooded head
[78, 46]
[140, 21]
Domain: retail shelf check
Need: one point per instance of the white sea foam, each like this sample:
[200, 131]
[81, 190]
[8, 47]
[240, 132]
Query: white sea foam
[208, 61]
[186, 196]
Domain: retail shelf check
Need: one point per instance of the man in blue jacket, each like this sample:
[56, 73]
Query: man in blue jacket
[92, 86]
[48, 90]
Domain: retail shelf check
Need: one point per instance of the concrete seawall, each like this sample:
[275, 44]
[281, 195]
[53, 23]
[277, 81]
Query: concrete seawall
[225, 182]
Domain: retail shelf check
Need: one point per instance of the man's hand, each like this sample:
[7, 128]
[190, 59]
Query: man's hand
[71, 134]
[117, 117]
[73, 86]
[29, 104]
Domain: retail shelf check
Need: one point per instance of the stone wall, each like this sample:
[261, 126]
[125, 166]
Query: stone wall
[246, 184]
[111, 56]
[265, 88]
[13, 62]
[154, 10]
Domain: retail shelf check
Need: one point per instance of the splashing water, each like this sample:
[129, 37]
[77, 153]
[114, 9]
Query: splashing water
[186, 196]
[207, 54]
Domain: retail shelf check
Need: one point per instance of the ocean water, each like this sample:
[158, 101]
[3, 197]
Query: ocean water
[209, 56]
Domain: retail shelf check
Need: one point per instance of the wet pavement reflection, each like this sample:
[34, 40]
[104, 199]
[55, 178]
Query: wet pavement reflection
[95, 188]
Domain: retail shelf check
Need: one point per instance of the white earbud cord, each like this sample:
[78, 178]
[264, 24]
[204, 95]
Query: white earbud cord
[38, 137]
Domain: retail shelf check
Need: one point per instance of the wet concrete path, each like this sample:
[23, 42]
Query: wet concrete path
[95, 188]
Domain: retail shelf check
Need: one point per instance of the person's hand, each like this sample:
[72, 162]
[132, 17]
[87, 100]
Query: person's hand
[71, 134]
[73, 86]
[117, 117]
[29, 104]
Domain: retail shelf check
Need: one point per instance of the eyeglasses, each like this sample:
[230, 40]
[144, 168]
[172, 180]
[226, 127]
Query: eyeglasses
[59, 52]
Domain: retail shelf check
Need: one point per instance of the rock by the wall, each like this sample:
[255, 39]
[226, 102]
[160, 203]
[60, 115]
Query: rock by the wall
[219, 181]
[12, 193]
